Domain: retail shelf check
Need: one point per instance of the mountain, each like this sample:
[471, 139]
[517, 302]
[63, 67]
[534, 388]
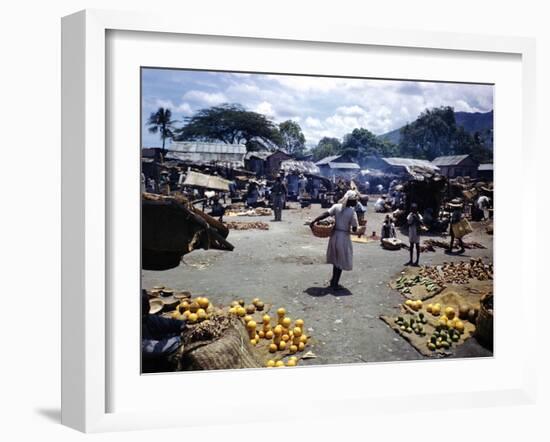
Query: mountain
[472, 122]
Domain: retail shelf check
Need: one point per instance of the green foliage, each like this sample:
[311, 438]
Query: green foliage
[326, 147]
[292, 138]
[430, 135]
[361, 143]
[230, 123]
[435, 133]
[161, 122]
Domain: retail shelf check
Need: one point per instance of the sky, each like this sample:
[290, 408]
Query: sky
[322, 106]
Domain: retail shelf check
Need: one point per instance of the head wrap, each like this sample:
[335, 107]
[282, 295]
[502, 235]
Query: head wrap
[349, 195]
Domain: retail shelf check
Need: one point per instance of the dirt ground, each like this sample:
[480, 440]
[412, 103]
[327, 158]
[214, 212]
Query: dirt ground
[285, 266]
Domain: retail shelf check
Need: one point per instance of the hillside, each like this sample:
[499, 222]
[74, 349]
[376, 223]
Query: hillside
[472, 122]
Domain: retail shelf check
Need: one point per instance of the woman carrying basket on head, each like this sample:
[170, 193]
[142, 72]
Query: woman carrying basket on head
[340, 250]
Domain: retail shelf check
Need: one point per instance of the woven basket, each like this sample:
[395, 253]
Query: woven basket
[484, 323]
[322, 231]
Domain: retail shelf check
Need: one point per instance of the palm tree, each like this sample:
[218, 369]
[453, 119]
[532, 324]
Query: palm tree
[161, 121]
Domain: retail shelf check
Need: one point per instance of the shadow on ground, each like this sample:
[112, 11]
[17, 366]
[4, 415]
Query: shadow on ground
[324, 291]
[51, 414]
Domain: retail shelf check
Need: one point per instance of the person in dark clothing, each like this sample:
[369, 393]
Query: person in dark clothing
[278, 194]
[161, 344]
[217, 209]
[388, 229]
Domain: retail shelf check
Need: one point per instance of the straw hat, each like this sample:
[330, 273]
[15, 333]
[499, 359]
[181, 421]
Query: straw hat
[156, 305]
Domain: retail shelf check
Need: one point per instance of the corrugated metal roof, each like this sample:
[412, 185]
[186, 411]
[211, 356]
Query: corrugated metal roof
[343, 166]
[327, 160]
[488, 166]
[300, 167]
[211, 148]
[407, 162]
[449, 160]
[259, 154]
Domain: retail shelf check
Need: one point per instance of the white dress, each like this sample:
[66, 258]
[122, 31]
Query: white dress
[340, 250]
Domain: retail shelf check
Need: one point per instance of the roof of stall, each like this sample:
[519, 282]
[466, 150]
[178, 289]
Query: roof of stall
[449, 160]
[343, 165]
[300, 167]
[487, 166]
[206, 181]
[327, 160]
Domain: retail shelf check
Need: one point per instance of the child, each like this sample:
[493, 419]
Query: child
[414, 219]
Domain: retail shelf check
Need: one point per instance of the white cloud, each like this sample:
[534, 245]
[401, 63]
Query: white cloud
[183, 108]
[323, 106]
[205, 98]
[265, 108]
[313, 123]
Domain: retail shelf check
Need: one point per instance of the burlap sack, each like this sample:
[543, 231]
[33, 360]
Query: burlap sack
[224, 345]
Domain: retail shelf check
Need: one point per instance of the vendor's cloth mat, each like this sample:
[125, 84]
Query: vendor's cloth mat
[472, 290]
[446, 299]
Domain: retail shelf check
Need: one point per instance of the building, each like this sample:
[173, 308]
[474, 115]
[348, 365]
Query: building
[338, 165]
[196, 152]
[273, 162]
[485, 172]
[256, 161]
[453, 166]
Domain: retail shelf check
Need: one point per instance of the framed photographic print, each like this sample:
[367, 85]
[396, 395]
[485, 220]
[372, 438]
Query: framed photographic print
[290, 208]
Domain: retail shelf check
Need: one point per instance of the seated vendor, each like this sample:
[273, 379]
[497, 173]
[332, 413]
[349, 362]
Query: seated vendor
[388, 228]
[217, 209]
[380, 205]
[160, 340]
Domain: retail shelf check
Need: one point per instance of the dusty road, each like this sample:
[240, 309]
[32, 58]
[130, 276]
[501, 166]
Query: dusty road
[285, 266]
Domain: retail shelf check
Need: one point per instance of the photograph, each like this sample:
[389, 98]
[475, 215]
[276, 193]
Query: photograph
[292, 220]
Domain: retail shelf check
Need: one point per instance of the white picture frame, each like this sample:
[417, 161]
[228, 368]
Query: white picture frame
[85, 215]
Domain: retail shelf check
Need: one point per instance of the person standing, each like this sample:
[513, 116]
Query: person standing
[278, 195]
[414, 220]
[252, 194]
[456, 217]
[340, 249]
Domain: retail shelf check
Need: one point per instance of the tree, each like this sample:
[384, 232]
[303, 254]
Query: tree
[293, 140]
[430, 135]
[230, 123]
[326, 147]
[161, 122]
[362, 143]
[435, 133]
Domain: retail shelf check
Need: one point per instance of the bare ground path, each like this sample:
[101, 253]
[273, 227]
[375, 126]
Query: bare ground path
[286, 266]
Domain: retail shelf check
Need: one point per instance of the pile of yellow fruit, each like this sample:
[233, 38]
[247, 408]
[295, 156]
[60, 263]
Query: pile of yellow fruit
[280, 332]
[415, 305]
[434, 309]
[292, 362]
[192, 310]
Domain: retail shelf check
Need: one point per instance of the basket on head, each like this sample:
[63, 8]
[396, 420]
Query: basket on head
[322, 230]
